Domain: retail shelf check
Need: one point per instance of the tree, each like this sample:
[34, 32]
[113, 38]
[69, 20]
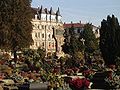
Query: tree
[72, 46]
[72, 43]
[15, 25]
[110, 39]
[91, 43]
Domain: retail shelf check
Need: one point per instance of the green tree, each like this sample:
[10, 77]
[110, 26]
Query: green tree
[72, 43]
[72, 46]
[91, 43]
[15, 24]
[110, 39]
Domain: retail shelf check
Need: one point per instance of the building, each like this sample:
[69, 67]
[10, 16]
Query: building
[79, 27]
[47, 30]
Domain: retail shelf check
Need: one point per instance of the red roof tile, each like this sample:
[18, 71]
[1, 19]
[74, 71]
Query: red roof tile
[76, 25]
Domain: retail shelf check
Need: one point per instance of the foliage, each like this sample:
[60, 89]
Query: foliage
[34, 58]
[72, 46]
[41, 53]
[113, 80]
[62, 61]
[79, 56]
[15, 24]
[55, 81]
[5, 56]
[118, 62]
[72, 43]
[91, 43]
[110, 39]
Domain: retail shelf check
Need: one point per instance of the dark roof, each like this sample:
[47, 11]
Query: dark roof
[51, 11]
[75, 25]
[58, 12]
[44, 11]
[34, 10]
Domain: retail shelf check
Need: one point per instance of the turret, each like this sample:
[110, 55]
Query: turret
[47, 14]
[42, 13]
[58, 15]
[52, 15]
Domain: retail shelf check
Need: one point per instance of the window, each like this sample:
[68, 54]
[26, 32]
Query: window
[39, 44]
[96, 31]
[39, 34]
[43, 44]
[49, 44]
[42, 26]
[39, 26]
[53, 44]
[36, 35]
[36, 17]
[46, 27]
[35, 26]
[49, 27]
[49, 35]
[36, 44]
[43, 35]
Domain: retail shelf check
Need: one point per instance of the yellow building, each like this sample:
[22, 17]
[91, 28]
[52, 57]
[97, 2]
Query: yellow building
[47, 30]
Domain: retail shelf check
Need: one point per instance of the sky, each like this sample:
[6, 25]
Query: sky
[86, 11]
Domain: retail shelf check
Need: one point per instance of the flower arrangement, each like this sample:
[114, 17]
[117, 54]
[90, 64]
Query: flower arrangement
[77, 84]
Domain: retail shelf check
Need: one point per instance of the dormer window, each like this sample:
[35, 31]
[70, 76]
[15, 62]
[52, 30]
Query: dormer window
[35, 16]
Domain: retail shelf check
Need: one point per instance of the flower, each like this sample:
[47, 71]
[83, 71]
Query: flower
[78, 83]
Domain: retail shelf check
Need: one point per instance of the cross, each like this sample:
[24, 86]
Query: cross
[83, 40]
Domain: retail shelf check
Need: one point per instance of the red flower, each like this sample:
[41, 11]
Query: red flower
[78, 83]
[86, 83]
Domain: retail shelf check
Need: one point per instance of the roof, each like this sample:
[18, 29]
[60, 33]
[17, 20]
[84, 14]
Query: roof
[34, 10]
[76, 25]
[44, 11]
[58, 12]
[51, 11]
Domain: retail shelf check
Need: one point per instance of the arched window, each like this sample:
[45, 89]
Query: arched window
[36, 35]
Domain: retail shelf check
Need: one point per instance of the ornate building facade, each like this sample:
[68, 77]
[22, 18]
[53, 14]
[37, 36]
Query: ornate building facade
[47, 30]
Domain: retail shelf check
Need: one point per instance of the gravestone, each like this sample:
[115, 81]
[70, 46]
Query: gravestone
[99, 81]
